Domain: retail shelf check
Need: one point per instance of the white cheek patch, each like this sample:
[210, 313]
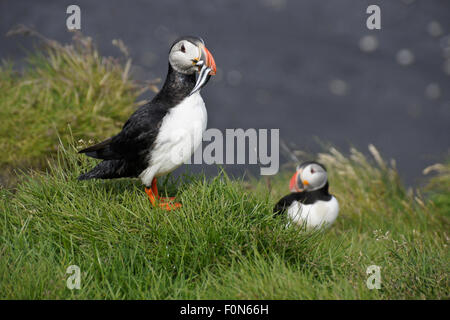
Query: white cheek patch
[176, 61]
[315, 180]
[199, 53]
[182, 61]
[191, 51]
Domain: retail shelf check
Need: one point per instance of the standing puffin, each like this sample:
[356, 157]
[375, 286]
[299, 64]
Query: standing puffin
[162, 134]
[309, 204]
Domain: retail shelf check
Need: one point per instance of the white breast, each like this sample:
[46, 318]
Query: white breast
[319, 214]
[180, 134]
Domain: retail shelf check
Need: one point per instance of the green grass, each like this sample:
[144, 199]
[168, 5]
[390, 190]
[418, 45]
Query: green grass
[60, 85]
[223, 243]
[438, 187]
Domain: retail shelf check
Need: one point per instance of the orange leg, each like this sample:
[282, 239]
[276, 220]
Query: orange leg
[155, 188]
[151, 196]
[154, 197]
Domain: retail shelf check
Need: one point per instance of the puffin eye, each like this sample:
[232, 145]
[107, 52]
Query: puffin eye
[183, 49]
[312, 171]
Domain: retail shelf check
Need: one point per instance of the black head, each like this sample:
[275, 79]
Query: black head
[192, 39]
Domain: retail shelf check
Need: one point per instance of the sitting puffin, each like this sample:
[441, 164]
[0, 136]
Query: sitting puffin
[309, 204]
[162, 134]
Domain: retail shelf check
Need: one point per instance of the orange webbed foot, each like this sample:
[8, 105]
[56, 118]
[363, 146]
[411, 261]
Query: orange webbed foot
[166, 199]
[170, 206]
[165, 203]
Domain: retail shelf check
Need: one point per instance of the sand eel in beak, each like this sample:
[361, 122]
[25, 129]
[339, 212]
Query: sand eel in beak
[206, 66]
[309, 205]
[162, 134]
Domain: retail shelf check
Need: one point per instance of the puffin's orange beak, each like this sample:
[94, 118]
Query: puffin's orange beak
[210, 63]
[293, 183]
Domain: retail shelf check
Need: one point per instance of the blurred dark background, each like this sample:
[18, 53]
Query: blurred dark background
[310, 68]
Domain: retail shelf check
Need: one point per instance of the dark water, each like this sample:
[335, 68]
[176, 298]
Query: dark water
[301, 66]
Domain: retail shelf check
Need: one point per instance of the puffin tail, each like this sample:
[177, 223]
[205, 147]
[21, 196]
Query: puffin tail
[101, 150]
[108, 169]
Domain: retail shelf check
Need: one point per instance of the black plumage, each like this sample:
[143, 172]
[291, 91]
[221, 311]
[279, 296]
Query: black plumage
[304, 197]
[127, 153]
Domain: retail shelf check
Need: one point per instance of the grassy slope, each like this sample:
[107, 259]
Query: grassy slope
[223, 243]
[62, 84]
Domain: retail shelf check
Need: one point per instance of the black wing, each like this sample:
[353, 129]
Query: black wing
[284, 203]
[136, 138]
